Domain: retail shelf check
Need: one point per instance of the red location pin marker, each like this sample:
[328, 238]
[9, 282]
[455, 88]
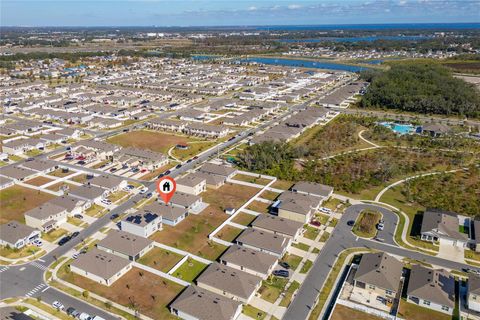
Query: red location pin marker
[166, 187]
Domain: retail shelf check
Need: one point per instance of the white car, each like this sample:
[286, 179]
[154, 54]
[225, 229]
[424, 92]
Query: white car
[84, 316]
[75, 255]
[380, 226]
[144, 190]
[37, 242]
[57, 305]
[325, 210]
[106, 201]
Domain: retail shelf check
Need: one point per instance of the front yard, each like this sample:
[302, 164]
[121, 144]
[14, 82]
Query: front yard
[11, 253]
[54, 235]
[272, 288]
[144, 291]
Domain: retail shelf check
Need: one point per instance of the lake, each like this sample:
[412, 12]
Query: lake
[304, 64]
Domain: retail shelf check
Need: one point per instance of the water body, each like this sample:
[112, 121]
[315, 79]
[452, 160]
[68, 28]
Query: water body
[355, 39]
[200, 57]
[304, 64]
[387, 26]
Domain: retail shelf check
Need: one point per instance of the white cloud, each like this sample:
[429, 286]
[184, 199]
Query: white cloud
[252, 8]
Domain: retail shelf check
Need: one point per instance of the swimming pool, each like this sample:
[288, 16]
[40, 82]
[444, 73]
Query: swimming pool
[399, 128]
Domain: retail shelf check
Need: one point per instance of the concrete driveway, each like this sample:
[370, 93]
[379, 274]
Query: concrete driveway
[451, 252]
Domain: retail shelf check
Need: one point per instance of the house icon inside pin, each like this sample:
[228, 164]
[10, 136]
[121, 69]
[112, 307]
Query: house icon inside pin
[166, 187]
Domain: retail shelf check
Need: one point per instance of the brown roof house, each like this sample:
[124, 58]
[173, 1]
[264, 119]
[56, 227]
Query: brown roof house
[278, 225]
[100, 266]
[296, 206]
[17, 235]
[264, 241]
[46, 217]
[432, 289]
[195, 303]
[379, 275]
[229, 282]
[252, 261]
[440, 225]
[125, 245]
[171, 215]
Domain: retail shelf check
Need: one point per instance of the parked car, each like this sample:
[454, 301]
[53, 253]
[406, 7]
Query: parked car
[380, 226]
[148, 195]
[135, 170]
[81, 162]
[29, 159]
[160, 175]
[232, 138]
[195, 158]
[75, 255]
[350, 223]
[178, 166]
[84, 316]
[144, 190]
[97, 318]
[38, 242]
[167, 172]
[78, 216]
[76, 233]
[189, 160]
[281, 273]
[284, 264]
[325, 210]
[113, 169]
[315, 223]
[124, 166]
[58, 305]
[70, 311]
[106, 202]
[64, 240]
[143, 170]
[114, 216]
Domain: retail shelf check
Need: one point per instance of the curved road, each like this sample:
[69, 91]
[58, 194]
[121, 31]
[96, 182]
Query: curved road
[342, 238]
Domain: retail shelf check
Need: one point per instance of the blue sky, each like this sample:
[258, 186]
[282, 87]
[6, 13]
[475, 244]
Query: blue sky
[233, 12]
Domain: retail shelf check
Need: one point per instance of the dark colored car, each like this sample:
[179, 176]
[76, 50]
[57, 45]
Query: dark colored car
[114, 216]
[178, 166]
[281, 273]
[284, 264]
[160, 175]
[81, 162]
[167, 172]
[76, 233]
[70, 311]
[189, 160]
[64, 240]
[78, 216]
[315, 223]
[148, 195]
[195, 158]
[113, 169]
[29, 159]
[350, 223]
[231, 138]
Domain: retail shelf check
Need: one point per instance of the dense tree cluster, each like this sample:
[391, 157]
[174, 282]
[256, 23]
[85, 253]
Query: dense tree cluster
[422, 87]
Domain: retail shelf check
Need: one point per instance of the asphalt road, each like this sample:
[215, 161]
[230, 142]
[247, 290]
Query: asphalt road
[342, 238]
[28, 279]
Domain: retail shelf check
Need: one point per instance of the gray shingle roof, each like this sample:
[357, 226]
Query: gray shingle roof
[381, 270]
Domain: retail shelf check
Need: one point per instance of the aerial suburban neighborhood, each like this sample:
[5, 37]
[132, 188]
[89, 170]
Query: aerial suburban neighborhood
[236, 173]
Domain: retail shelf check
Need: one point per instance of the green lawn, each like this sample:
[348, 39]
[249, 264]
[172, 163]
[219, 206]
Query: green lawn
[253, 312]
[292, 260]
[412, 311]
[11, 253]
[54, 235]
[228, 233]
[324, 237]
[94, 210]
[272, 288]
[306, 266]
[301, 246]
[75, 221]
[189, 270]
[289, 293]
[251, 179]
[269, 195]
[160, 259]
[311, 232]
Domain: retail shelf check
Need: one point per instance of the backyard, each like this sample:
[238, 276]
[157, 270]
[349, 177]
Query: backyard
[16, 200]
[228, 196]
[160, 259]
[189, 270]
[341, 312]
[150, 140]
[411, 311]
[148, 293]
[228, 233]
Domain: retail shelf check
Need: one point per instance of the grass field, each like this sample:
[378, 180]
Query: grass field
[38, 181]
[272, 288]
[366, 223]
[253, 312]
[150, 140]
[411, 311]
[54, 235]
[269, 195]
[160, 259]
[16, 200]
[282, 184]
[18, 253]
[289, 294]
[228, 233]
[258, 206]
[244, 218]
[150, 294]
[306, 266]
[292, 260]
[228, 196]
[311, 232]
[341, 312]
[192, 234]
[189, 270]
